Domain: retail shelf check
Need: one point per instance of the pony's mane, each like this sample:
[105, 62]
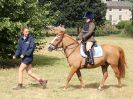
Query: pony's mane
[71, 37]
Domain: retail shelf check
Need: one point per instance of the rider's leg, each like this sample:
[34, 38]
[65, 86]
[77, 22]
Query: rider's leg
[89, 45]
[89, 53]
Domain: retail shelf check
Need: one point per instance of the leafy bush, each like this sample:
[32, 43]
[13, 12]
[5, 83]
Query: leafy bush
[128, 30]
[125, 27]
[40, 43]
[102, 30]
[106, 29]
[122, 24]
[18, 13]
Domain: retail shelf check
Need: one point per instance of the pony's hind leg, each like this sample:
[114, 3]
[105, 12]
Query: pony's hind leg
[105, 76]
[117, 74]
[80, 78]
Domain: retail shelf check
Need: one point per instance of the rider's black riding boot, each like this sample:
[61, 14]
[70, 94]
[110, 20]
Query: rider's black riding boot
[90, 58]
[87, 60]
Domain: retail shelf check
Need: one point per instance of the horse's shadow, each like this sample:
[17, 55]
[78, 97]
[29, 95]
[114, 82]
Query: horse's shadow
[95, 86]
[87, 86]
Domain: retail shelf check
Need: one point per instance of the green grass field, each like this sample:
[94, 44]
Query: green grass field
[54, 67]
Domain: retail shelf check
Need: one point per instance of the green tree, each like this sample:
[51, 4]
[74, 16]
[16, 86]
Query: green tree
[131, 1]
[17, 13]
[70, 12]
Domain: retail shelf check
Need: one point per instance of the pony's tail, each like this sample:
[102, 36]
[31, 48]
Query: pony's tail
[122, 63]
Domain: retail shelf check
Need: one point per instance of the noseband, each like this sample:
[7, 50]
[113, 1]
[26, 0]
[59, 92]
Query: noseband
[60, 39]
[67, 47]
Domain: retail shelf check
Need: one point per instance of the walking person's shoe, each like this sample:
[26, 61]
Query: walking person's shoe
[19, 86]
[43, 83]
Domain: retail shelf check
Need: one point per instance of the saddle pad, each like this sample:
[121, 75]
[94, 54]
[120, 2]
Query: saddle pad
[97, 52]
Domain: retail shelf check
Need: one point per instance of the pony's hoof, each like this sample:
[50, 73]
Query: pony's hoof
[64, 89]
[100, 88]
[82, 88]
[119, 86]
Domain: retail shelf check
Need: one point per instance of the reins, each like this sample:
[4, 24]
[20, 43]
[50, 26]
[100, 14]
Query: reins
[73, 46]
[69, 47]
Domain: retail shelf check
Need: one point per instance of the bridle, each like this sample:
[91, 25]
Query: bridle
[60, 39]
[69, 47]
[66, 47]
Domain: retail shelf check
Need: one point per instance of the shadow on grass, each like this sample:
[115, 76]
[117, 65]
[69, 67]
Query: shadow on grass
[92, 85]
[41, 60]
[9, 63]
[36, 85]
[108, 86]
[95, 86]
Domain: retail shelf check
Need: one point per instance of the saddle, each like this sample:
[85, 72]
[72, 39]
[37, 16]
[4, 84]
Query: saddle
[96, 49]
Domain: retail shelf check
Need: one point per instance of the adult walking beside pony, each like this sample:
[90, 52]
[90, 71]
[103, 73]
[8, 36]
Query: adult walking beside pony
[25, 50]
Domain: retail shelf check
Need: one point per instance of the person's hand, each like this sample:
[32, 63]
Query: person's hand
[14, 57]
[22, 56]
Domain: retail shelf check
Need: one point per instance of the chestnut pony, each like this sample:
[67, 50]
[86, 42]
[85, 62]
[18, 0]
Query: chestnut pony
[112, 55]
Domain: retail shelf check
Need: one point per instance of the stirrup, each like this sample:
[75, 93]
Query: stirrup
[91, 62]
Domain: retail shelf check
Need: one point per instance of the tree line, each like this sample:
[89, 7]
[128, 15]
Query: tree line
[36, 14]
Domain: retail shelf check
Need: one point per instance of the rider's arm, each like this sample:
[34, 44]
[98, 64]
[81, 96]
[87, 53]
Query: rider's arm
[80, 36]
[90, 33]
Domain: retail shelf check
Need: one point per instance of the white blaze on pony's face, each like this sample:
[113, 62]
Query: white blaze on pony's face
[57, 41]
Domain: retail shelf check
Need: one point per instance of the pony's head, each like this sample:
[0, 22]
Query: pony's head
[57, 41]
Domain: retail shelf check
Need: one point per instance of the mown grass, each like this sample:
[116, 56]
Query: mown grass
[54, 67]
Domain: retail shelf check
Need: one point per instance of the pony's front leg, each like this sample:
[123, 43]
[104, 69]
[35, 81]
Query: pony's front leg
[80, 78]
[71, 73]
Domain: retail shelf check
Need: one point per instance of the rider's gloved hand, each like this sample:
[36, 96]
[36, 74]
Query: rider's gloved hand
[22, 56]
[83, 40]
